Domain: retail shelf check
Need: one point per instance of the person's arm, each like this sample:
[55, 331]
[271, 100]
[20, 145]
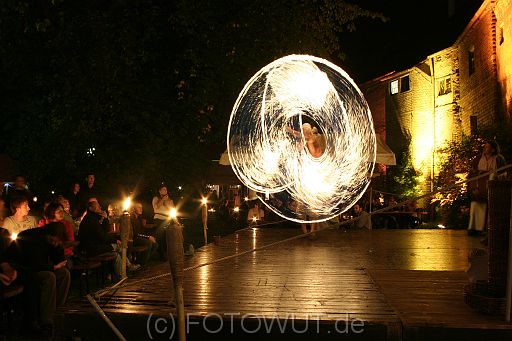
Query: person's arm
[293, 132]
[7, 274]
[157, 203]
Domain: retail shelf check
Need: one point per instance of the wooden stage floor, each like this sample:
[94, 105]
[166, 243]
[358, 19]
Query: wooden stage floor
[356, 284]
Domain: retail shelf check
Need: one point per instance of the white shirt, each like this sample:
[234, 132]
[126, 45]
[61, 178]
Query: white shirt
[14, 226]
[162, 211]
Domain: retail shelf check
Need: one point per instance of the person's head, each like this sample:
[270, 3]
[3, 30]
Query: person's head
[162, 190]
[19, 182]
[491, 148]
[308, 131]
[93, 205]
[113, 210]
[137, 208]
[54, 212]
[64, 202]
[358, 208]
[19, 206]
[46, 202]
[89, 179]
[55, 232]
[75, 187]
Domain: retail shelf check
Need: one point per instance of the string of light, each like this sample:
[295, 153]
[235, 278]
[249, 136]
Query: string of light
[268, 150]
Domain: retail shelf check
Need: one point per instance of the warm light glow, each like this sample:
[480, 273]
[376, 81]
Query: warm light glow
[246, 198]
[441, 226]
[254, 218]
[173, 213]
[297, 81]
[236, 209]
[267, 144]
[34, 199]
[204, 201]
[127, 203]
[14, 235]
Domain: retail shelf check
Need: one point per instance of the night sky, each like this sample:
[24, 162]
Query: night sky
[415, 30]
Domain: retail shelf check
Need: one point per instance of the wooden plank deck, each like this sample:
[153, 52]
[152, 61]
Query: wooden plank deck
[389, 284]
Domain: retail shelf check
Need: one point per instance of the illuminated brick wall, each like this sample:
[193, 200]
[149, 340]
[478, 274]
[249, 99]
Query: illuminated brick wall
[503, 13]
[478, 87]
[472, 78]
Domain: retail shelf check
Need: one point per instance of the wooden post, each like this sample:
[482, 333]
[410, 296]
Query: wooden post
[204, 212]
[499, 205]
[125, 227]
[509, 275]
[175, 256]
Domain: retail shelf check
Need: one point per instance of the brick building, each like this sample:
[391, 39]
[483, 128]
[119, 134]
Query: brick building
[449, 93]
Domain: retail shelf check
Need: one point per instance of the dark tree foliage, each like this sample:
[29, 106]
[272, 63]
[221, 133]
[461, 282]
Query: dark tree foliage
[148, 84]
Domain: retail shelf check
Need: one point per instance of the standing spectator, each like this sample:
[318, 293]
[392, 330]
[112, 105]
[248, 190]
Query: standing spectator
[162, 206]
[88, 191]
[74, 199]
[20, 220]
[489, 161]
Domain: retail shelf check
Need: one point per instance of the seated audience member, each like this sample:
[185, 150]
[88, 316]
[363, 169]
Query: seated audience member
[363, 218]
[39, 257]
[138, 235]
[93, 231]
[43, 220]
[55, 213]
[413, 216]
[95, 239]
[67, 212]
[392, 202]
[20, 220]
[7, 272]
[4, 211]
[255, 214]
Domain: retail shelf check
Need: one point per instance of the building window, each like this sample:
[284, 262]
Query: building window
[471, 60]
[473, 125]
[404, 84]
[394, 87]
[445, 86]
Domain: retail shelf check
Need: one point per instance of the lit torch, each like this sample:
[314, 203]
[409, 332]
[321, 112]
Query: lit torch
[204, 215]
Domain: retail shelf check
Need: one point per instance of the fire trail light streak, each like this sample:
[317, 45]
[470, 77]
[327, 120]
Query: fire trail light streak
[268, 145]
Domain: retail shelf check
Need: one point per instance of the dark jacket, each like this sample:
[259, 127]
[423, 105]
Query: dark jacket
[34, 252]
[93, 235]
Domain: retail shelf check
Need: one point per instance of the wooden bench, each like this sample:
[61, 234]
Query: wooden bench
[137, 250]
[84, 267]
[8, 296]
